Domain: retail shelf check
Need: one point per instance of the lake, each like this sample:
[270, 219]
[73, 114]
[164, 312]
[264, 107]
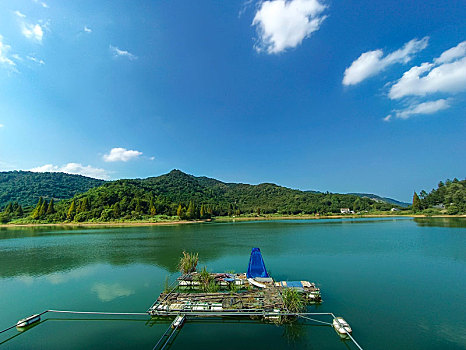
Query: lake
[399, 282]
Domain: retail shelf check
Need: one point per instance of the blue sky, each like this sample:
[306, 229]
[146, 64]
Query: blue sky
[366, 96]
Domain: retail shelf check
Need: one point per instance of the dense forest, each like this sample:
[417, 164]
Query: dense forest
[177, 194]
[450, 196]
[25, 187]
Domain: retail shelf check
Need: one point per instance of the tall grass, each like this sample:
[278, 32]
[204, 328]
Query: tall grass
[188, 262]
[293, 300]
[232, 287]
[207, 281]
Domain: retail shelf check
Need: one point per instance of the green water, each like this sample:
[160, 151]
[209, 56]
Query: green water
[400, 283]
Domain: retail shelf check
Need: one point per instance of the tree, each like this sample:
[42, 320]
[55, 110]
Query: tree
[116, 210]
[452, 209]
[152, 209]
[50, 208]
[416, 202]
[179, 210]
[8, 209]
[71, 211]
[357, 204]
[191, 211]
[18, 212]
[43, 209]
[84, 205]
[138, 206]
[202, 212]
[35, 213]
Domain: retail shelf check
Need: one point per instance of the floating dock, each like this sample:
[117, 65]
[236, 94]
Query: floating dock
[235, 295]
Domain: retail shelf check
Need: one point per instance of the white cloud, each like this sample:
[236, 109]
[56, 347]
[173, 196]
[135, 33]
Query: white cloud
[372, 62]
[36, 60]
[16, 57]
[4, 58]
[64, 277]
[452, 54]
[285, 24]
[73, 168]
[43, 4]
[122, 53]
[87, 29]
[33, 31]
[446, 75]
[428, 107]
[120, 154]
[1, 125]
[19, 14]
[108, 292]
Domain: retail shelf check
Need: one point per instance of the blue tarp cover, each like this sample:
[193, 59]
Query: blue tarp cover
[294, 284]
[256, 266]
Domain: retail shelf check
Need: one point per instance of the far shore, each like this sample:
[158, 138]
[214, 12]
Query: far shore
[223, 219]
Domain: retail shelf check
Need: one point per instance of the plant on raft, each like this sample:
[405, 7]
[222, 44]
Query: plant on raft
[206, 281]
[292, 300]
[212, 287]
[188, 262]
[232, 287]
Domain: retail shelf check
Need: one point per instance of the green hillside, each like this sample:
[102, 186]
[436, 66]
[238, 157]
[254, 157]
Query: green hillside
[382, 199]
[25, 187]
[189, 197]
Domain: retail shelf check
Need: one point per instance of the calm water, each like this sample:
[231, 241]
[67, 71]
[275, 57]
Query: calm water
[400, 283]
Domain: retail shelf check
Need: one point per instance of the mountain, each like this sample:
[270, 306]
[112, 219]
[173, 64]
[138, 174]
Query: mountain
[382, 199]
[191, 197]
[25, 187]
[172, 194]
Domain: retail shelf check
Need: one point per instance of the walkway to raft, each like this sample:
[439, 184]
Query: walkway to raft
[171, 332]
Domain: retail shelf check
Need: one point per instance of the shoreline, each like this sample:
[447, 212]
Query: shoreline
[223, 220]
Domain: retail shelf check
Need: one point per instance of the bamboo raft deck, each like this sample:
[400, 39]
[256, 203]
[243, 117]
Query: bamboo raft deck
[187, 297]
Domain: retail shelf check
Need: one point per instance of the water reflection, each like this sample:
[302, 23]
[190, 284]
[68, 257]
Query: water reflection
[37, 251]
[441, 222]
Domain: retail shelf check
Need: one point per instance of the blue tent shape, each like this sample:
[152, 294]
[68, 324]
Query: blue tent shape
[256, 266]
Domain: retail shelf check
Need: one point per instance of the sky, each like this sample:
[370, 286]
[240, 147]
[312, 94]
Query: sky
[339, 96]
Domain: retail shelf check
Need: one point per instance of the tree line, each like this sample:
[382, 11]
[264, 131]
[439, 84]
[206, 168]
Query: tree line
[183, 196]
[449, 195]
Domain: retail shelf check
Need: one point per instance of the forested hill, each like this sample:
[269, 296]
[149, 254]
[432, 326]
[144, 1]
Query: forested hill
[177, 194]
[382, 199]
[25, 187]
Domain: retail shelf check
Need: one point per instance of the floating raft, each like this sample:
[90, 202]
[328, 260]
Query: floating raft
[252, 293]
[187, 296]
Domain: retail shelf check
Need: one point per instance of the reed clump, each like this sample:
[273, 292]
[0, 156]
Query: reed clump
[293, 300]
[188, 262]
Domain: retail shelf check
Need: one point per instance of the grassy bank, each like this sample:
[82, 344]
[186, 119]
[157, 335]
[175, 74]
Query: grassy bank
[176, 221]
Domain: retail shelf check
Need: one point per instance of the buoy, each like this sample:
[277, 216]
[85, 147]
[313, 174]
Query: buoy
[341, 326]
[178, 322]
[28, 321]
